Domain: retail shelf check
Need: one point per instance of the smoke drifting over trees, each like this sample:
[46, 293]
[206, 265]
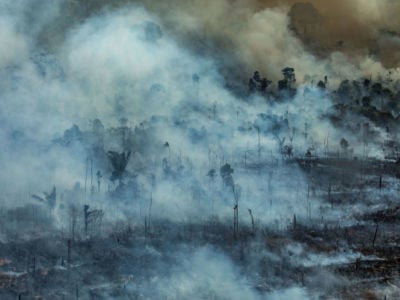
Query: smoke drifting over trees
[202, 149]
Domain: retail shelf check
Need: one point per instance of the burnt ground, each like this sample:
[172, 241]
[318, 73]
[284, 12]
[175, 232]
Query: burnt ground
[356, 256]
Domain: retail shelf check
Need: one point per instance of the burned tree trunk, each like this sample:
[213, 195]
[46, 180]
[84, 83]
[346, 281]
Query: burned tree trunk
[235, 210]
[252, 221]
[375, 235]
[69, 246]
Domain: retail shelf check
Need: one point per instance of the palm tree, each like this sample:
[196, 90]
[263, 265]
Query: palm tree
[119, 162]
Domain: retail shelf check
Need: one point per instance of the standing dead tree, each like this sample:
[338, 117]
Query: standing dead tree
[69, 251]
[236, 192]
[286, 151]
[147, 219]
[344, 144]
[91, 177]
[226, 172]
[73, 215]
[252, 221]
[93, 217]
[326, 145]
[375, 234]
[308, 204]
[99, 176]
[89, 167]
[48, 198]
